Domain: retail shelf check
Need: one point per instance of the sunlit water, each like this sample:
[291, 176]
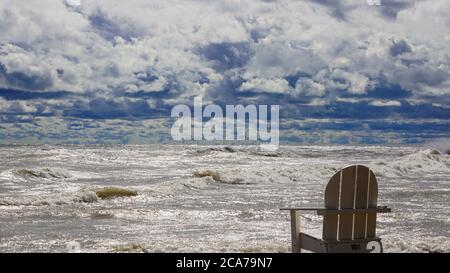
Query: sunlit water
[45, 194]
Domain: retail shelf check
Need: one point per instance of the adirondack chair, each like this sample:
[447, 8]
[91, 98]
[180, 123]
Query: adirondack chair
[349, 215]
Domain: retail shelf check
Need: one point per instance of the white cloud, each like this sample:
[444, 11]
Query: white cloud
[3, 105]
[266, 85]
[22, 107]
[17, 107]
[386, 103]
[73, 3]
[151, 46]
[308, 87]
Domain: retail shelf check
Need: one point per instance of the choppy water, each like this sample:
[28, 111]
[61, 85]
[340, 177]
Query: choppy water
[44, 189]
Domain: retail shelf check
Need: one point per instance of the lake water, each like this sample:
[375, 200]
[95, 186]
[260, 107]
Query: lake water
[47, 196]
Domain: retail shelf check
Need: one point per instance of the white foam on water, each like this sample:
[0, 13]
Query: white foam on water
[177, 211]
[423, 161]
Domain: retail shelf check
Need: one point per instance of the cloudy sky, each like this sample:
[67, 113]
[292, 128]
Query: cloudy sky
[109, 71]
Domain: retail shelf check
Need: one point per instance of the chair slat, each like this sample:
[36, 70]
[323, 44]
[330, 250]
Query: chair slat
[362, 187]
[346, 202]
[330, 222]
[354, 187]
[350, 214]
[372, 203]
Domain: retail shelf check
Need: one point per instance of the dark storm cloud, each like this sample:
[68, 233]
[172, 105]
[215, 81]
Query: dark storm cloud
[11, 94]
[110, 28]
[227, 55]
[338, 8]
[390, 8]
[26, 81]
[135, 60]
[399, 48]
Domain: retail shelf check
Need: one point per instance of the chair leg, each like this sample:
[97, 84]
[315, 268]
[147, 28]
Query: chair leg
[312, 244]
[295, 232]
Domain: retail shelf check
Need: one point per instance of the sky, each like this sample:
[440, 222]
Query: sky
[110, 71]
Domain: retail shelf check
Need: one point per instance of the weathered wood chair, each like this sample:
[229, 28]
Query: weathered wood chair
[349, 216]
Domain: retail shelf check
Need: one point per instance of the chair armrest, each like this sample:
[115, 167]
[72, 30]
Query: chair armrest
[354, 211]
[303, 209]
[324, 211]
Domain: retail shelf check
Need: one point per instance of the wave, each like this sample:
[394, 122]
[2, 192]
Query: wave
[44, 173]
[250, 150]
[226, 149]
[34, 202]
[394, 243]
[267, 154]
[428, 160]
[51, 199]
[229, 178]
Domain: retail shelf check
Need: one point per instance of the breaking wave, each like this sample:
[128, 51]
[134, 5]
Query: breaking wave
[52, 199]
[226, 149]
[234, 178]
[44, 173]
[250, 150]
[427, 161]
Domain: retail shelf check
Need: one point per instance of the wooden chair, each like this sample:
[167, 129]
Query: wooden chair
[349, 216]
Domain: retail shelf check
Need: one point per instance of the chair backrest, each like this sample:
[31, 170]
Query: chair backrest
[353, 187]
